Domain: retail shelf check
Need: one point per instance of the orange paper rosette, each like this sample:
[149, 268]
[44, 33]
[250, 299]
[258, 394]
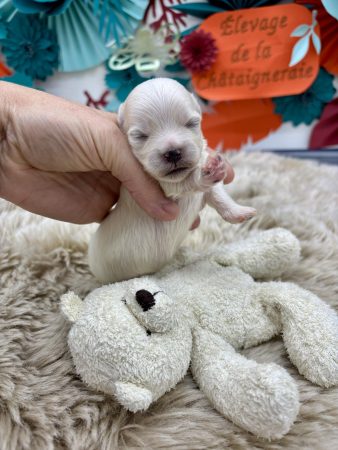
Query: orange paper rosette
[233, 123]
[4, 70]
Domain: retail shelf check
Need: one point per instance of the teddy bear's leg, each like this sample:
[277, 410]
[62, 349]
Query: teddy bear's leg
[262, 398]
[132, 397]
[309, 328]
[266, 254]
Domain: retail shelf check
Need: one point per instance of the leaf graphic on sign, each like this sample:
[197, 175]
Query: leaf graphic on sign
[316, 42]
[300, 31]
[300, 50]
[233, 123]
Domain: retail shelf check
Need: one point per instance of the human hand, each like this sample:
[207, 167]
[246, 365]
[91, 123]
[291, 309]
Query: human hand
[67, 161]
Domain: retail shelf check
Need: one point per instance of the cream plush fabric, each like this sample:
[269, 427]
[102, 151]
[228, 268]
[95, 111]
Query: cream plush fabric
[44, 405]
[135, 339]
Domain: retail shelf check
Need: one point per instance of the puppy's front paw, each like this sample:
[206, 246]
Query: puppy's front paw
[214, 170]
[238, 214]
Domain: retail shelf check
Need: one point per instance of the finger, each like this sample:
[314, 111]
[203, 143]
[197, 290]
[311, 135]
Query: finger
[149, 196]
[196, 223]
[145, 191]
[230, 174]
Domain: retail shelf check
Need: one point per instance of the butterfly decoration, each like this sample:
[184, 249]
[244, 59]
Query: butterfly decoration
[147, 51]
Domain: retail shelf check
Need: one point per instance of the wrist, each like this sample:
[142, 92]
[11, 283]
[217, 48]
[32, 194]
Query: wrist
[4, 112]
[6, 107]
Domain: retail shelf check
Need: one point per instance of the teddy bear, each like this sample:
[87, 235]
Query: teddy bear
[136, 339]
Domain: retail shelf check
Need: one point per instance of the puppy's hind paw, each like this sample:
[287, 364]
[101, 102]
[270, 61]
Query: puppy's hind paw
[214, 170]
[239, 214]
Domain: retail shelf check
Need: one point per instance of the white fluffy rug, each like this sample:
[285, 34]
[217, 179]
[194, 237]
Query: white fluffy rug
[44, 405]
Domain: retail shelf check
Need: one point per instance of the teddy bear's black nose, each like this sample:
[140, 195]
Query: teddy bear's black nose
[145, 299]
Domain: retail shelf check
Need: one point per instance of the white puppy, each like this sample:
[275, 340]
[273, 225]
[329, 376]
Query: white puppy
[163, 123]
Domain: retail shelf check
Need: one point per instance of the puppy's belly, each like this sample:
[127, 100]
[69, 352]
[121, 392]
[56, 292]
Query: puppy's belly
[129, 243]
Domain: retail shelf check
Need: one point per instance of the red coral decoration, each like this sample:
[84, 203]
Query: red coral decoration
[98, 104]
[166, 15]
[328, 34]
[198, 51]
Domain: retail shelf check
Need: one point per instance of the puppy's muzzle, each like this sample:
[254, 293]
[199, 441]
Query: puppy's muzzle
[173, 156]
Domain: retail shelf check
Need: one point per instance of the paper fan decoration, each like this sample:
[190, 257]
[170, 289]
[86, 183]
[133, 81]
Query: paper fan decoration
[83, 27]
[41, 6]
[86, 26]
[19, 78]
[7, 10]
[3, 30]
[77, 34]
[203, 10]
[328, 34]
[118, 19]
[307, 106]
[233, 123]
[30, 47]
[325, 132]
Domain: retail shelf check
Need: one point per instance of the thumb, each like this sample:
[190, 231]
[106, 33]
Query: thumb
[145, 190]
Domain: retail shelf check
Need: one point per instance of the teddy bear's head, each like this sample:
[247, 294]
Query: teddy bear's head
[130, 332]
[151, 306]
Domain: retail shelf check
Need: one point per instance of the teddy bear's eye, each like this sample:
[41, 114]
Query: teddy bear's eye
[148, 332]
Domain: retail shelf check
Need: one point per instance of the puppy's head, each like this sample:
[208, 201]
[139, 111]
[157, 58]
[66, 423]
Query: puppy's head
[163, 123]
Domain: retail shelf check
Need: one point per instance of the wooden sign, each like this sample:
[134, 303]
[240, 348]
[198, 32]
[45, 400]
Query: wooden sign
[255, 49]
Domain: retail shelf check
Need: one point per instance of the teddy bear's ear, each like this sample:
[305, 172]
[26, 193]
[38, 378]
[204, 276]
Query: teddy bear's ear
[71, 306]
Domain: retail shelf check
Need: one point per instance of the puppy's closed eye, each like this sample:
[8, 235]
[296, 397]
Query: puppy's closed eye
[193, 123]
[138, 135]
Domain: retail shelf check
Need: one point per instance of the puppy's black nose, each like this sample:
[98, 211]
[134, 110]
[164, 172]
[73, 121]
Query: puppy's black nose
[173, 156]
[145, 299]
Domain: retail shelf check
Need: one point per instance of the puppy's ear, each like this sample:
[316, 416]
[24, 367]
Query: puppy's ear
[120, 115]
[195, 103]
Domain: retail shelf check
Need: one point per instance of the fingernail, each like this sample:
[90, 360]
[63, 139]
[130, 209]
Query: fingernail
[170, 208]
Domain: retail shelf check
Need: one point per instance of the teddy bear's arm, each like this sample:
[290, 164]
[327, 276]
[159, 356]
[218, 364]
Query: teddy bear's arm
[265, 255]
[309, 329]
[262, 398]
[133, 397]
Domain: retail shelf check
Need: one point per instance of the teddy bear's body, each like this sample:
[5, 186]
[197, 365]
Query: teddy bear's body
[135, 339]
[224, 302]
